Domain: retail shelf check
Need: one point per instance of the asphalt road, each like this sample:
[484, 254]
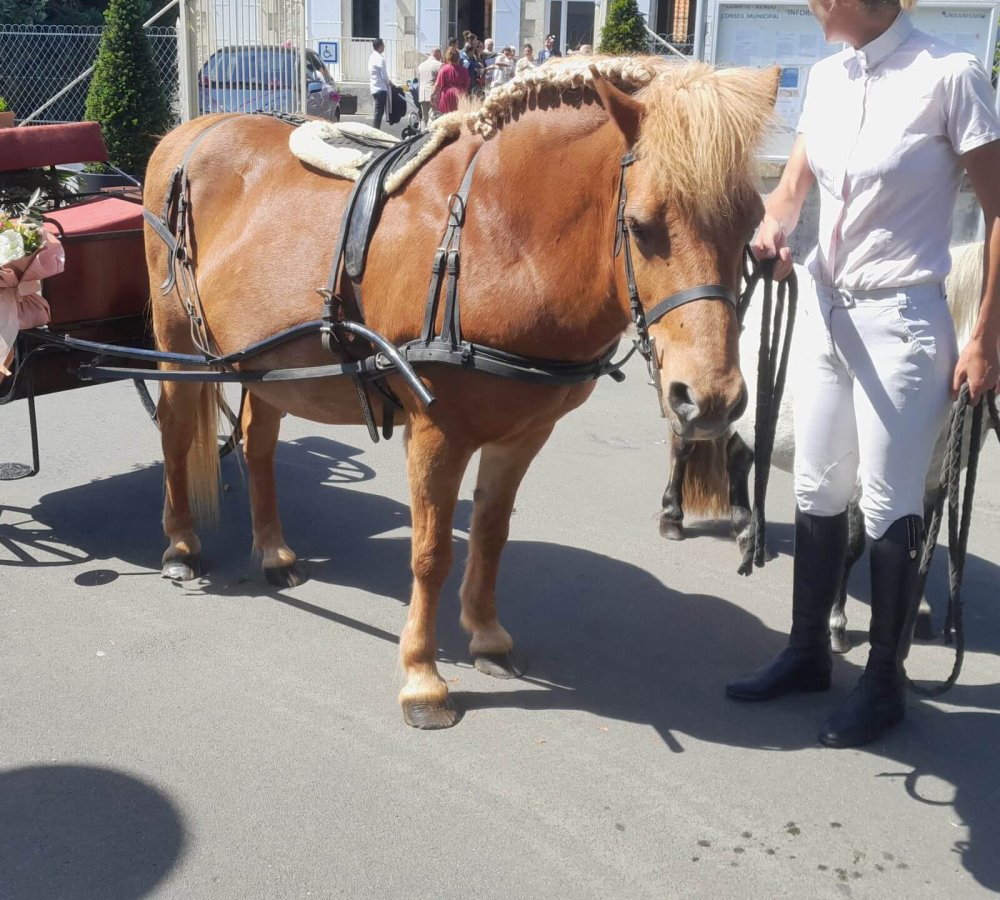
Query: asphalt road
[228, 740]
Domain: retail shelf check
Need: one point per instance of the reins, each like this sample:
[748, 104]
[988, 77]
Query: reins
[959, 521]
[772, 366]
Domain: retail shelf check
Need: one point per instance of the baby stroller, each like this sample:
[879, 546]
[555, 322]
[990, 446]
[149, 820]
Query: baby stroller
[403, 113]
[412, 115]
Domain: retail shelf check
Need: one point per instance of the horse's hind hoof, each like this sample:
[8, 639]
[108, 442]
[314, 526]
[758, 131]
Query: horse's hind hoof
[431, 715]
[672, 531]
[285, 576]
[839, 641]
[500, 665]
[182, 568]
[923, 628]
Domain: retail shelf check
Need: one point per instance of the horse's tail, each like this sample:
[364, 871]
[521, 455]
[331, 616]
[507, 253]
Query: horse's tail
[964, 286]
[203, 456]
[706, 479]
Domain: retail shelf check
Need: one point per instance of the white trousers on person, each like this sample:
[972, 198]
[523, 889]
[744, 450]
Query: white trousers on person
[872, 387]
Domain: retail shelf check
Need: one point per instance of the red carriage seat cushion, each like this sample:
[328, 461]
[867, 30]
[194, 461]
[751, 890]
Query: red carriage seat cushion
[34, 146]
[100, 216]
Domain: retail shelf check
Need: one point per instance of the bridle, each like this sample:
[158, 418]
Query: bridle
[644, 344]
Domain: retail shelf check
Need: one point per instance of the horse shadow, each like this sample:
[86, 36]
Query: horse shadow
[601, 635]
[83, 831]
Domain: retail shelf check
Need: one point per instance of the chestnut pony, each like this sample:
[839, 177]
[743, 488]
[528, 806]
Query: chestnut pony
[539, 278]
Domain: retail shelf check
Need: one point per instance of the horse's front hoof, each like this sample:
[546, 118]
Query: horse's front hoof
[923, 628]
[500, 665]
[671, 530]
[430, 715]
[285, 576]
[182, 568]
[839, 641]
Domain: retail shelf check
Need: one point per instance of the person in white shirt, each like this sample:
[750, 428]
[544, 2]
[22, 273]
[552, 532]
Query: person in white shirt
[378, 80]
[887, 128]
[502, 69]
[426, 76]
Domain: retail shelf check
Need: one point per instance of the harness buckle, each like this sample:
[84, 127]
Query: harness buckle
[456, 209]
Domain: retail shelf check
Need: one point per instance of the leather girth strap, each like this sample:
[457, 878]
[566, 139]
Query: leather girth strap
[357, 227]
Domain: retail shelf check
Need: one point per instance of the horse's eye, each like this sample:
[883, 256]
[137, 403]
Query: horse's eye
[637, 229]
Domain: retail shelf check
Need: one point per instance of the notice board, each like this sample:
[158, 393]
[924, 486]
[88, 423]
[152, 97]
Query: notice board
[786, 34]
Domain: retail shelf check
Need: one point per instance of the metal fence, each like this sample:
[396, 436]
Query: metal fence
[39, 61]
[241, 55]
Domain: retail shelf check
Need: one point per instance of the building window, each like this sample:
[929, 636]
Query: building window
[364, 19]
[579, 23]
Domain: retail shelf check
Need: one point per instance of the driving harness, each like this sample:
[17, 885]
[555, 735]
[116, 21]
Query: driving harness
[371, 357]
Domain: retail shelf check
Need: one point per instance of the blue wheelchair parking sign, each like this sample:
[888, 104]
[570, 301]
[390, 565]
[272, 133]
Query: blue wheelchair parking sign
[329, 51]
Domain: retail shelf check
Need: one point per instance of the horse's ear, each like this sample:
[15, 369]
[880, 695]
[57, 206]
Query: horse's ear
[771, 78]
[625, 111]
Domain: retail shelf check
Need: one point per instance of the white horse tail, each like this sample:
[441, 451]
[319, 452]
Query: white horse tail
[964, 286]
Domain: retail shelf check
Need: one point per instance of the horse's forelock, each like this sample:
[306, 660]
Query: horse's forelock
[701, 133]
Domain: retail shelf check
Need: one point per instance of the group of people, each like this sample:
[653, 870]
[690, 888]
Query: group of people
[473, 69]
[470, 69]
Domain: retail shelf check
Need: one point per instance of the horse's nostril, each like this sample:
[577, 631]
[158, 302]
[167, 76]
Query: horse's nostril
[682, 401]
[740, 406]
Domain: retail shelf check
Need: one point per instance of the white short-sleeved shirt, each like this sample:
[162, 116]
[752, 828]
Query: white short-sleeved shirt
[884, 128]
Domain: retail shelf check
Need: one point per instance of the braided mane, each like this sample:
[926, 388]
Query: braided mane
[700, 133]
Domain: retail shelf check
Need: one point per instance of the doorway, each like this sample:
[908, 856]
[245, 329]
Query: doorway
[470, 15]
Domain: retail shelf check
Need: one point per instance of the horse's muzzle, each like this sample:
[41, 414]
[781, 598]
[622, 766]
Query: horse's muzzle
[695, 419]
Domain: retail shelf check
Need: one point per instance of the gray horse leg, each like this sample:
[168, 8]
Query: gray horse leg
[839, 640]
[739, 460]
[672, 516]
[923, 629]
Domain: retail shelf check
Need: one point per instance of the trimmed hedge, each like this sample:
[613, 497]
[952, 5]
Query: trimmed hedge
[624, 33]
[125, 95]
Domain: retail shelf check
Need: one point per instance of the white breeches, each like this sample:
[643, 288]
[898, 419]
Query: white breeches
[872, 382]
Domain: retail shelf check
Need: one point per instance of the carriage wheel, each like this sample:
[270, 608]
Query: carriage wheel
[227, 442]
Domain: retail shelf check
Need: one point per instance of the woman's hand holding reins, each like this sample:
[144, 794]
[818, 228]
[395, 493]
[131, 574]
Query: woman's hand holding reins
[771, 242]
[979, 365]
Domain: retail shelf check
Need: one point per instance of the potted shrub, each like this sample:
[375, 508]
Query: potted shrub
[6, 115]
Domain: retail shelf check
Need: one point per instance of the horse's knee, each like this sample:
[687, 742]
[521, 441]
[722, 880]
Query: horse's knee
[430, 564]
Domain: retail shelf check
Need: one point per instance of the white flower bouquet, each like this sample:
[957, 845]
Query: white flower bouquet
[29, 252]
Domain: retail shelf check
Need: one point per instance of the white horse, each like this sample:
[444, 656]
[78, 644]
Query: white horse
[710, 478]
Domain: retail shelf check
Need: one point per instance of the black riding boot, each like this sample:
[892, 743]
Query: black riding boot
[879, 700]
[806, 663]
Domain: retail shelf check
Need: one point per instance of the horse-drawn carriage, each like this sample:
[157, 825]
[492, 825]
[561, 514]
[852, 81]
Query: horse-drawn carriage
[100, 299]
[102, 294]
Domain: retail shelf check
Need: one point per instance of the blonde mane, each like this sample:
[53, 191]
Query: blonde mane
[700, 133]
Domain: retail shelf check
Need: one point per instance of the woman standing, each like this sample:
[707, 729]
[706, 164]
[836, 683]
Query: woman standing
[887, 128]
[452, 81]
[526, 61]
